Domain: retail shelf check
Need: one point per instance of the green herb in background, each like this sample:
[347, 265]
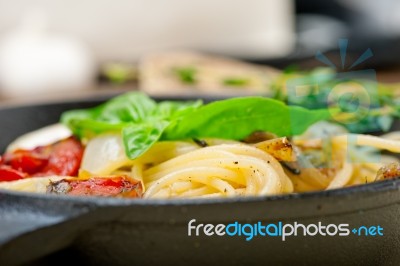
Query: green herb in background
[186, 74]
[120, 73]
[380, 112]
[236, 82]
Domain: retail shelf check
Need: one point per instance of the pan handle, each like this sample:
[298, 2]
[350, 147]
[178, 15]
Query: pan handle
[37, 225]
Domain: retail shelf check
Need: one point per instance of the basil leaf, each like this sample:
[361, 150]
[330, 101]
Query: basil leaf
[171, 110]
[142, 122]
[82, 122]
[140, 119]
[113, 115]
[90, 127]
[131, 107]
[138, 139]
[237, 118]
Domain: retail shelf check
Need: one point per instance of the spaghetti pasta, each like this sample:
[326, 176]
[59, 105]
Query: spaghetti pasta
[226, 170]
[186, 170]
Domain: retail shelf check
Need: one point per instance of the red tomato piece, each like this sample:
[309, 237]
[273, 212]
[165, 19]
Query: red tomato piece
[29, 162]
[118, 186]
[9, 174]
[64, 159]
[61, 158]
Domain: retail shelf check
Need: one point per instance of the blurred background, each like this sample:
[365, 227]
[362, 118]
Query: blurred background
[54, 48]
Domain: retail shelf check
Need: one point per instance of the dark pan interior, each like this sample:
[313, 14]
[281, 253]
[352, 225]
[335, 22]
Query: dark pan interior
[16, 121]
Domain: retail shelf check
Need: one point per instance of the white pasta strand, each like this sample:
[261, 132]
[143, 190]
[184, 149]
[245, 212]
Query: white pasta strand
[225, 170]
[342, 177]
[368, 140]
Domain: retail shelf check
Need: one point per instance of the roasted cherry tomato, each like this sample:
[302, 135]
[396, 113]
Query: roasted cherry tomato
[26, 161]
[9, 174]
[61, 158]
[64, 159]
[114, 186]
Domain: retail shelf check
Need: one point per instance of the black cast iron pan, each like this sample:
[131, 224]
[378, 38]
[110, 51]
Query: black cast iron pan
[46, 229]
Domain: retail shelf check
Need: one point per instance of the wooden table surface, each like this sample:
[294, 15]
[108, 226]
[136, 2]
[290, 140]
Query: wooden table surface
[387, 76]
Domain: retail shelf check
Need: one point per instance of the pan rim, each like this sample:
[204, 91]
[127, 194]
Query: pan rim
[375, 187]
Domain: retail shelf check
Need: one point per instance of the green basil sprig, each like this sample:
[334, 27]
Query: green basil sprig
[142, 122]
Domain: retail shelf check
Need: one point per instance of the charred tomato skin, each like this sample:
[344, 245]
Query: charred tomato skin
[113, 186]
[64, 159]
[61, 158]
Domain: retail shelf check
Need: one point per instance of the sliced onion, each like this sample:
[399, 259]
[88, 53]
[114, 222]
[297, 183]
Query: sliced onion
[41, 137]
[104, 154]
